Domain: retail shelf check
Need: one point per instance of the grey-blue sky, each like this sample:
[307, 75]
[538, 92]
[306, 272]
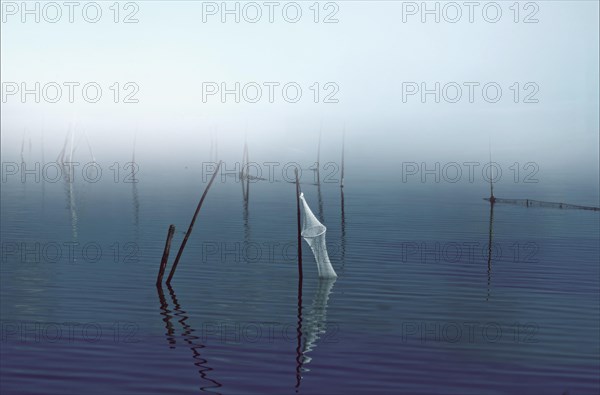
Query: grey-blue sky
[368, 54]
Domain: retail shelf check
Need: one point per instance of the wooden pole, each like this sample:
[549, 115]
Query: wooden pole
[300, 280]
[299, 353]
[189, 231]
[492, 198]
[343, 147]
[244, 174]
[299, 225]
[165, 257]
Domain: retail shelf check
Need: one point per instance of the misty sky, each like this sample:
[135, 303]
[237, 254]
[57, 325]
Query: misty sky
[368, 54]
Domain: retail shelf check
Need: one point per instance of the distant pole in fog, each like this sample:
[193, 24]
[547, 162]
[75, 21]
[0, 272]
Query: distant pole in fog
[319, 154]
[134, 144]
[71, 150]
[42, 138]
[87, 140]
[492, 198]
[61, 155]
[244, 174]
[343, 147]
[23, 148]
[216, 143]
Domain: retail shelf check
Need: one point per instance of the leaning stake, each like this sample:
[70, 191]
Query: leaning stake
[189, 231]
[165, 257]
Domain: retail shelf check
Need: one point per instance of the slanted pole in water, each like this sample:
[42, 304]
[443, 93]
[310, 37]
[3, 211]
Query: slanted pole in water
[189, 231]
[165, 257]
[299, 225]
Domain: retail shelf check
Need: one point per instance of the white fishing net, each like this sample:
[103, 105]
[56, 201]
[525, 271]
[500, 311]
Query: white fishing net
[314, 233]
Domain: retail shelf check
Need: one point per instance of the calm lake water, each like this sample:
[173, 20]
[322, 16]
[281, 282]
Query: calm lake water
[421, 305]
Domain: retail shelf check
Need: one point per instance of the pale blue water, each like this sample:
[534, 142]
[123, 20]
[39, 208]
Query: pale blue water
[417, 308]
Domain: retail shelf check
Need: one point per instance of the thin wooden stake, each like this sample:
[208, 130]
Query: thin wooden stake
[299, 328]
[165, 257]
[343, 148]
[299, 225]
[492, 198]
[189, 231]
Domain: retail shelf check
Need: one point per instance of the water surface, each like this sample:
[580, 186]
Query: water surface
[422, 305]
